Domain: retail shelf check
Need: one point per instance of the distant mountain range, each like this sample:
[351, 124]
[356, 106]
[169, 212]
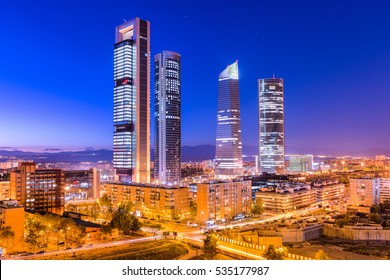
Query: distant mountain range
[189, 153]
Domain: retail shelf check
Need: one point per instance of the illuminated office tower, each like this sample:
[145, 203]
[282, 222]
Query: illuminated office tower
[167, 117]
[271, 125]
[228, 163]
[132, 101]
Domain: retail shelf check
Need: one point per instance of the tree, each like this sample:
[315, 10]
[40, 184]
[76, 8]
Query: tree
[106, 208]
[73, 234]
[273, 253]
[210, 245]
[193, 208]
[124, 221]
[321, 255]
[258, 207]
[36, 232]
[7, 238]
[135, 224]
[375, 217]
[343, 220]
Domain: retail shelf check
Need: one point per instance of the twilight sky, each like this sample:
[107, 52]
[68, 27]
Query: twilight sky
[56, 68]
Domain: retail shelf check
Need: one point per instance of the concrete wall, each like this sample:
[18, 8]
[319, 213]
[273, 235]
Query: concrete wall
[352, 234]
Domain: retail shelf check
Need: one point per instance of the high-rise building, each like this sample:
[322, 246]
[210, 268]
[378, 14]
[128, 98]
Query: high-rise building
[271, 125]
[132, 101]
[228, 161]
[38, 189]
[167, 117]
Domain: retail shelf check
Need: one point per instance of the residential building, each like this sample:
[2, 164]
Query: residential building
[5, 190]
[167, 117]
[329, 192]
[271, 125]
[12, 215]
[288, 198]
[82, 184]
[222, 201]
[364, 191]
[153, 201]
[132, 101]
[384, 190]
[38, 189]
[228, 156]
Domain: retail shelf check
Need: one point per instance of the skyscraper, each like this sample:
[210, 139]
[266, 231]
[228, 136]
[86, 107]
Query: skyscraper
[132, 101]
[228, 162]
[167, 117]
[271, 125]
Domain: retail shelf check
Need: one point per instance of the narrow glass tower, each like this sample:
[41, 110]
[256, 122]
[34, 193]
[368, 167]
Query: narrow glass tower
[167, 117]
[132, 101]
[228, 162]
[271, 125]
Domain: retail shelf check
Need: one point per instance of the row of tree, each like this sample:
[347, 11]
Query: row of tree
[43, 231]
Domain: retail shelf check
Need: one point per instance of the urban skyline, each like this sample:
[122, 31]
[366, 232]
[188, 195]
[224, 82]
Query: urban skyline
[336, 117]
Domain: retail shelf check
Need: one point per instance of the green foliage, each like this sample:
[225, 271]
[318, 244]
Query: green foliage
[375, 217]
[36, 232]
[375, 209]
[7, 238]
[343, 220]
[44, 230]
[273, 253]
[124, 221]
[73, 235]
[258, 208]
[321, 255]
[210, 245]
[106, 207]
[193, 208]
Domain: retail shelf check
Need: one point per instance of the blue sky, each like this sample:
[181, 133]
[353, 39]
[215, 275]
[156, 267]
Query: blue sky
[56, 68]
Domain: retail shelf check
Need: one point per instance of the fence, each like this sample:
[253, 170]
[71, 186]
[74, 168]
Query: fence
[259, 247]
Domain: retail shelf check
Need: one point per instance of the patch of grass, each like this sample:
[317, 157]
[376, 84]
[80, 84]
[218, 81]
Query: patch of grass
[382, 252]
[153, 250]
[208, 257]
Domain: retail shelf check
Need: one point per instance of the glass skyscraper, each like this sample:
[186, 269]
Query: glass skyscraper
[132, 101]
[271, 125]
[228, 163]
[167, 117]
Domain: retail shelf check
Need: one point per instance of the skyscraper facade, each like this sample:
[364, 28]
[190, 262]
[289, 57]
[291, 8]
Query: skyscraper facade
[132, 101]
[228, 161]
[271, 125]
[167, 117]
